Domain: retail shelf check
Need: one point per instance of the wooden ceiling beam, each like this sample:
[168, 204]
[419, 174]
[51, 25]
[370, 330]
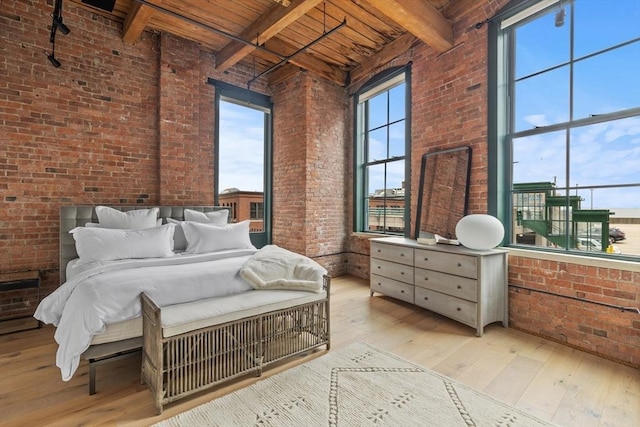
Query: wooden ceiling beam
[419, 18]
[283, 73]
[391, 51]
[136, 21]
[265, 27]
[308, 61]
[457, 8]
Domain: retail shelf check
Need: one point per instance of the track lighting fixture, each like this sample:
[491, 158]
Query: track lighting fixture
[56, 24]
[57, 21]
[53, 60]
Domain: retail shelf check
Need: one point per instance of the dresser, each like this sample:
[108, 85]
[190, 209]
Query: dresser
[466, 285]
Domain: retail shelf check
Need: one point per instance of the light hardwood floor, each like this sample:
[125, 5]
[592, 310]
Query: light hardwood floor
[552, 381]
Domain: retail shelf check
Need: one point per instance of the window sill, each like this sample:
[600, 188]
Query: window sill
[363, 235]
[576, 259]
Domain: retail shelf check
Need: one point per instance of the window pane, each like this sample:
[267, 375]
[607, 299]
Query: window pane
[375, 180]
[542, 100]
[618, 200]
[241, 162]
[378, 109]
[386, 197]
[540, 158]
[241, 146]
[607, 82]
[378, 144]
[606, 154]
[376, 198]
[598, 27]
[395, 175]
[397, 103]
[396, 139]
[541, 45]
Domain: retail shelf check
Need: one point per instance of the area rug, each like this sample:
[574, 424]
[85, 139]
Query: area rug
[358, 385]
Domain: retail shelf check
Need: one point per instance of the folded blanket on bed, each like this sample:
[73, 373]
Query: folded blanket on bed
[273, 267]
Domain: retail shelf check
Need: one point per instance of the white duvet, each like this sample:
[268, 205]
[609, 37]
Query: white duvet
[110, 292]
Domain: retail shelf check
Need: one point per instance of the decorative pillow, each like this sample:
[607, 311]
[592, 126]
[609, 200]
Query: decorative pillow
[179, 240]
[105, 244]
[136, 219]
[215, 217]
[210, 238]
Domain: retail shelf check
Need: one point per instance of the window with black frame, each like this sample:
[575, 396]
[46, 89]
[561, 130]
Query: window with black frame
[568, 124]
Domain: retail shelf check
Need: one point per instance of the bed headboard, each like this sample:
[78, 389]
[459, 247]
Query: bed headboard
[77, 216]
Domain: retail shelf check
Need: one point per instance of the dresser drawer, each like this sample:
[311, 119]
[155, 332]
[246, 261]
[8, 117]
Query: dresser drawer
[392, 253]
[455, 308]
[461, 287]
[460, 265]
[401, 272]
[393, 288]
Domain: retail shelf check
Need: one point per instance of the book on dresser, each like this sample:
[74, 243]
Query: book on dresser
[466, 285]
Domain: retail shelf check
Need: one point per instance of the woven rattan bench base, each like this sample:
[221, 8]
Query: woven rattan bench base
[178, 366]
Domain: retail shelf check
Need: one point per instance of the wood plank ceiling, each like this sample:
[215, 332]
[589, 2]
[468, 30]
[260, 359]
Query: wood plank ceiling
[375, 31]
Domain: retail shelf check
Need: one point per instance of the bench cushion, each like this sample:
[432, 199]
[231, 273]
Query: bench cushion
[181, 318]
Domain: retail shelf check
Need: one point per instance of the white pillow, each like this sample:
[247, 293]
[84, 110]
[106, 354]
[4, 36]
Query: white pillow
[179, 240]
[210, 238]
[105, 244]
[98, 225]
[130, 220]
[215, 217]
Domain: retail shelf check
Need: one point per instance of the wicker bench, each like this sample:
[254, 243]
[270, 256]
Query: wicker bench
[191, 347]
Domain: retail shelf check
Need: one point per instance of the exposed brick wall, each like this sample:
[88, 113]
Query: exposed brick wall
[289, 160]
[81, 134]
[310, 151]
[326, 170]
[358, 258]
[18, 303]
[604, 330]
[186, 155]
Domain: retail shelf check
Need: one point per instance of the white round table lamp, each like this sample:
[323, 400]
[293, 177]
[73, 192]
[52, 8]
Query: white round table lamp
[479, 231]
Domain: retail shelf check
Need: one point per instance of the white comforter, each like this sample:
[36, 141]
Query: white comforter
[110, 293]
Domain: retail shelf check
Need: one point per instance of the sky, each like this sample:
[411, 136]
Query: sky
[241, 148]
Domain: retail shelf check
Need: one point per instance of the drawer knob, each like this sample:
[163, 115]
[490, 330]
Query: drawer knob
[379, 267]
[426, 298]
[402, 273]
[459, 287]
[378, 250]
[426, 259]
[402, 292]
[459, 309]
[426, 278]
[459, 265]
[401, 254]
[379, 284]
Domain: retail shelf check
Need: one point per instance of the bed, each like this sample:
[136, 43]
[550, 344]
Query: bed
[98, 301]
